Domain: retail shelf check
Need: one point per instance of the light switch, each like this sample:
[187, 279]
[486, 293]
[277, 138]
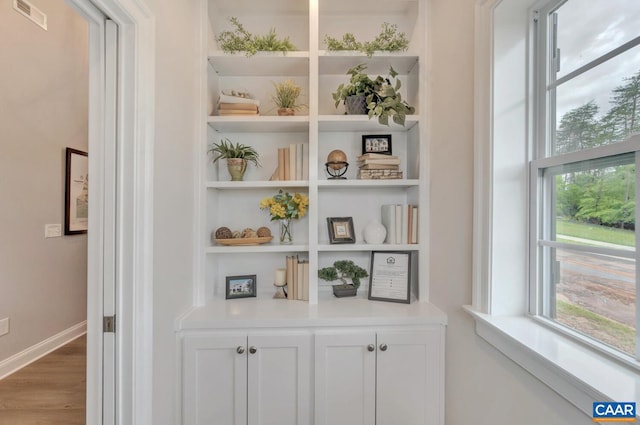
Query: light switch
[52, 230]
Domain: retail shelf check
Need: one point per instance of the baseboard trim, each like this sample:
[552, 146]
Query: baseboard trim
[33, 353]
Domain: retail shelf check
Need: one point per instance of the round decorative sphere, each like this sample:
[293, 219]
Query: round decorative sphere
[336, 159]
[249, 233]
[264, 232]
[375, 232]
[224, 233]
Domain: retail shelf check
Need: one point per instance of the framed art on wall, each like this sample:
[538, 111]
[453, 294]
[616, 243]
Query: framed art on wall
[76, 193]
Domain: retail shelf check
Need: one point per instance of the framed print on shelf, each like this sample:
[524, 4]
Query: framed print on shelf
[341, 230]
[390, 276]
[76, 192]
[240, 286]
[376, 143]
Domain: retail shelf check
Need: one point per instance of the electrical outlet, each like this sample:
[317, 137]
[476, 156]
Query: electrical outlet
[4, 326]
[52, 230]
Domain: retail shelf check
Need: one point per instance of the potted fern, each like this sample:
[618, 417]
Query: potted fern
[237, 156]
[381, 96]
[344, 270]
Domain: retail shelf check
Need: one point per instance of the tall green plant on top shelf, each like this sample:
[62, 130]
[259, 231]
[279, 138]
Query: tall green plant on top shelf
[389, 40]
[241, 40]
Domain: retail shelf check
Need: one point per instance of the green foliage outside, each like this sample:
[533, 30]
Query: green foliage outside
[609, 331]
[595, 233]
[603, 195]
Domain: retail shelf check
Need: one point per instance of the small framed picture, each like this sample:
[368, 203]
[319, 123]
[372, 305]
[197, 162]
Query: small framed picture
[341, 230]
[390, 276]
[241, 286]
[76, 192]
[376, 143]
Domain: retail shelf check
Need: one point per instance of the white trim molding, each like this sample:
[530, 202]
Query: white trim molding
[580, 375]
[133, 210]
[41, 349]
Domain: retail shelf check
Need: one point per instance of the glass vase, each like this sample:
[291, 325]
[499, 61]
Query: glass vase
[286, 236]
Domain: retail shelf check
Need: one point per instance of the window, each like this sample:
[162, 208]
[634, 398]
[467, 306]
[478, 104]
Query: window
[583, 270]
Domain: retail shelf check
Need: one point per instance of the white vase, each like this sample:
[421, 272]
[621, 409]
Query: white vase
[374, 232]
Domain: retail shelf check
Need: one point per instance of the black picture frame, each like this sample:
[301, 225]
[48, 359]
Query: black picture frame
[240, 286]
[341, 230]
[376, 143]
[390, 276]
[76, 192]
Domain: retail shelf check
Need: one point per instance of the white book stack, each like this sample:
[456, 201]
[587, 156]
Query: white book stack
[401, 222]
[379, 166]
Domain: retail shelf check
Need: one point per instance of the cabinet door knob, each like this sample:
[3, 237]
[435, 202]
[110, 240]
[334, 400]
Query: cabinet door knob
[383, 347]
[253, 350]
[371, 347]
[240, 349]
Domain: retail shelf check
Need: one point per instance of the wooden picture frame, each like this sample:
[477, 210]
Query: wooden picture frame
[341, 230]
[240, 286]
[390, 276]
[376, 143]
[76, 192]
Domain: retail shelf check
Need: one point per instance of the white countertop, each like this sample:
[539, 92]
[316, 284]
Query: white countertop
[330, 311]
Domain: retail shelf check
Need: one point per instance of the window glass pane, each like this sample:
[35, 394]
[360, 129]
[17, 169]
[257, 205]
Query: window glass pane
[596, 207]
[592, 290]
[589, 29]
[599, 107]
[595, 295]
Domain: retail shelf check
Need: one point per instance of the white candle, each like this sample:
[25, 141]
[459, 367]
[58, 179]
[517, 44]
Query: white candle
[281, 277]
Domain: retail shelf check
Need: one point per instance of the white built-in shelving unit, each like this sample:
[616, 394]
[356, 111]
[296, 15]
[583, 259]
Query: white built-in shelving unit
[265, 360]
[321, 126]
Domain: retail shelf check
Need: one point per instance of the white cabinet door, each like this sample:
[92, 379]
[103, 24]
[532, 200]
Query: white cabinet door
[345, 378]
[279, 379]
[409, 377]
[215, 380]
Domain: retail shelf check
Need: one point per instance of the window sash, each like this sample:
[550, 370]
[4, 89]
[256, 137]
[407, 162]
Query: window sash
[545, 59]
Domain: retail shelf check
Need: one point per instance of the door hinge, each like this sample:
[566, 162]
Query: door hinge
[109, 324]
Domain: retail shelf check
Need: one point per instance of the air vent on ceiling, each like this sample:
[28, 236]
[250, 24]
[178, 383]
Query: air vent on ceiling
[30, 11]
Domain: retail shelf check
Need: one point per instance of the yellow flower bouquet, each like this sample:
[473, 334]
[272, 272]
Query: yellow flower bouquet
[284, 207]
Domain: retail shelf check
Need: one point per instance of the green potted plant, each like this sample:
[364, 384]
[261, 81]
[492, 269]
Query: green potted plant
[237, 156]
[286, 97]
[343, 270]
[381, 95]
[241, 40]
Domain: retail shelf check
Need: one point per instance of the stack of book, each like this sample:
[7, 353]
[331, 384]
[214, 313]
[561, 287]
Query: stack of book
[297, 279]
[401, 222]
[378, 166]
[293, 163]
[237, 106]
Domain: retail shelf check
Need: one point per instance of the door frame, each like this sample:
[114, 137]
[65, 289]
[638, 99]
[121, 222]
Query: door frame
[132, 256]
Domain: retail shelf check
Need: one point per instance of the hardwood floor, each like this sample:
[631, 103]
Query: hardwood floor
[50, 391]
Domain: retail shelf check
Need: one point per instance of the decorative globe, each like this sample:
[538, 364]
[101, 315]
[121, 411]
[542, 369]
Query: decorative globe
[336, 164]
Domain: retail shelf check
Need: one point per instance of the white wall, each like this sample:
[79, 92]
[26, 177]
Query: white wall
[43, 109]
[178, 66]
[482, 386]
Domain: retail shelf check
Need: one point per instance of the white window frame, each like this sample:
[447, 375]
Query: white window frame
[544, 65]
[501, 301]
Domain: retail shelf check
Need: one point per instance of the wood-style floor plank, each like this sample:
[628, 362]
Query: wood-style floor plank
[50, 391]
